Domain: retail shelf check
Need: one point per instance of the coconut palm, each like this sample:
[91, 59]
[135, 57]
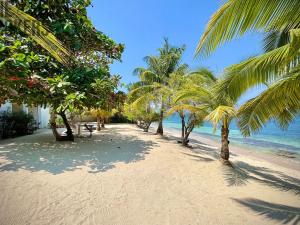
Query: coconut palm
[154, 78]
[35, 30]
[190, 114]
[101, 115]
[219, 108]
[278, 68]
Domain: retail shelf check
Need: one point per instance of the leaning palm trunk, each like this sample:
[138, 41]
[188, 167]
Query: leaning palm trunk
[187, 132]
[225, 143]
[186, 129]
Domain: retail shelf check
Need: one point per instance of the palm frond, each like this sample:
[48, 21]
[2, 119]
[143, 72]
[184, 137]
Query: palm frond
[275, 39]
[258, 70]
[204, 73]
[236, 17]
[142, 100]
[220, 114]
[35, 30]
[193, 93]
[149, 76]
[281, 102]
[137, 71]
[187, 107]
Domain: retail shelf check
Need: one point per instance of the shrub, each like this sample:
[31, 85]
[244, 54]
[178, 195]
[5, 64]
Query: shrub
[16, 124]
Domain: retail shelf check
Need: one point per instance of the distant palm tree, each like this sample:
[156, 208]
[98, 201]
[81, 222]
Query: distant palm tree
[154, 78]
[35, 30]
[278, 68]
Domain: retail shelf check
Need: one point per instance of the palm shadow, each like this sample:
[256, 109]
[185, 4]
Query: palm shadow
[281, 213]
[99, 153]
[207, 152]
[240, 173]
[199, 158]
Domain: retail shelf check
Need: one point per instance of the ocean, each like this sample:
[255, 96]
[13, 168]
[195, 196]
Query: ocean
[270, 138]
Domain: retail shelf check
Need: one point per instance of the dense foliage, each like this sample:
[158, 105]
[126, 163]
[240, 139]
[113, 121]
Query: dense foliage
[29, 74]
[14, 124]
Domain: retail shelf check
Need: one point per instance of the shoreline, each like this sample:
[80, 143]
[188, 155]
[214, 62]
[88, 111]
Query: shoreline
[237, 150]
[121, 170]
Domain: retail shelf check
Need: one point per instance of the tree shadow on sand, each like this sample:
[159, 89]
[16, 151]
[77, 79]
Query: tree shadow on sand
[281, 213]
[240, 173]
[99, 153]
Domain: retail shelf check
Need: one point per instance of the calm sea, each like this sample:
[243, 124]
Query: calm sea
[270, 138]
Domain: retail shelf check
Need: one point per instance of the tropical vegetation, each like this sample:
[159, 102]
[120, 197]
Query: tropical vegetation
[154, 78]
[30, 75]
[277, 69]
[71, 72]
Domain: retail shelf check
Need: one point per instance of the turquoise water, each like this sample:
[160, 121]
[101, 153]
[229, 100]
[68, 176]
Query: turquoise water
[270, 138]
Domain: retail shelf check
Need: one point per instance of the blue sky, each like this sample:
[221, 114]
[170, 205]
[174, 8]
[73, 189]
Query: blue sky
[141, 26]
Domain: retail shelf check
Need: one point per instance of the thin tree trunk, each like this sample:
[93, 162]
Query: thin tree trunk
[53, 126]
[78, 129]
[70, 135]
[103, 124]
[225, 143]
[98, 123]
[160, 129]
[185, 141]
[188, 130]
[146, 127]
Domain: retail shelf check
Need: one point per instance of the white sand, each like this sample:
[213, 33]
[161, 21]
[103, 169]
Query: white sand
[125, 176]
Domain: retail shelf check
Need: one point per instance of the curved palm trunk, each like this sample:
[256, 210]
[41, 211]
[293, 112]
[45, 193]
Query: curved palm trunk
[185, 131]
[225, 143]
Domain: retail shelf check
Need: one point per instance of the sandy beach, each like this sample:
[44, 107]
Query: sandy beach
[125, 176]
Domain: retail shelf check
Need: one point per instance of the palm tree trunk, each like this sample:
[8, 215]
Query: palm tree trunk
[146, 127]
[225, 143]
[98, 123]
[182, 127]
[187, 132]
[160, 129]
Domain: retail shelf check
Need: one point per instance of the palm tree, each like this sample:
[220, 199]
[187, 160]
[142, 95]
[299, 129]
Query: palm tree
[154, 78]
[278, 68]
[35, 30]
[102, 115]
[219, 108]
[190, 114]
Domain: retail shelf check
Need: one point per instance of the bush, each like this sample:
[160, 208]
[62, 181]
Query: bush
[120, 118]
[14, 124]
